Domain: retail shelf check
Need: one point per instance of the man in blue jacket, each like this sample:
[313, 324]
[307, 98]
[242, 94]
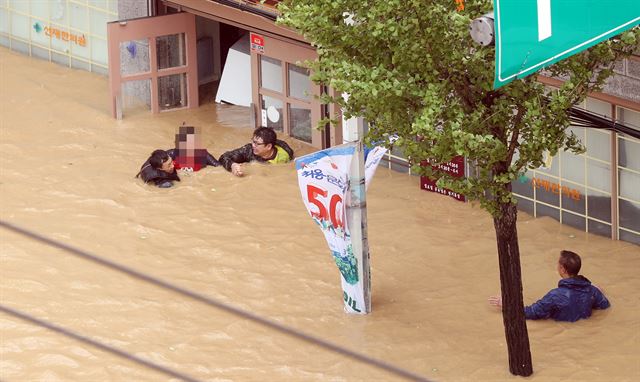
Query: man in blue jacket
[573, 299]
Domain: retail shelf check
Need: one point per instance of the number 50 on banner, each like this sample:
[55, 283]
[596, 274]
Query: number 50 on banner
[335, 211]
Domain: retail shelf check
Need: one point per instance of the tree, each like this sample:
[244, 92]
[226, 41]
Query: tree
[410, 68]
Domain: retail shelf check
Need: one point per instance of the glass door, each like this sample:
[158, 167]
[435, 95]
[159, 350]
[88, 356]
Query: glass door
[153, 63]
[286, 101]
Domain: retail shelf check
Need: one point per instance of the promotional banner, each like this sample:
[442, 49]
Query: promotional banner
[323, 178]
[372, 159]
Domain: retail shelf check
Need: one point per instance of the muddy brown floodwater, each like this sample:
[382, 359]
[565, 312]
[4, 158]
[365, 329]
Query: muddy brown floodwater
[67, 172]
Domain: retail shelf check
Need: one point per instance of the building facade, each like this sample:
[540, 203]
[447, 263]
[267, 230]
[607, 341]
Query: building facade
[68, 32]
[597, 191]
[168, 68]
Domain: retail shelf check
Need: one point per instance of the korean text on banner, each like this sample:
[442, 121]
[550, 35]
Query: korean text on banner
[323, 178]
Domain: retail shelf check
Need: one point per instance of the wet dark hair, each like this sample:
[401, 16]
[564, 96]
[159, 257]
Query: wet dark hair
[267, 135]
[183, 132]
[157, 158]
[571, 262]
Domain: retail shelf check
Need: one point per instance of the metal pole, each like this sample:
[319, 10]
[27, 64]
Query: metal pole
[357, 215]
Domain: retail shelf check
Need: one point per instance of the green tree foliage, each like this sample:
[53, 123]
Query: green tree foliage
[411, 68]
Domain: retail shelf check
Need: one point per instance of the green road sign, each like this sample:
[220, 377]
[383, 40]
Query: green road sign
[532, 34]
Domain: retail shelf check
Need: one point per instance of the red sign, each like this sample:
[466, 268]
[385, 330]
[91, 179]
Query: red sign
[257, 43]
[454, 167]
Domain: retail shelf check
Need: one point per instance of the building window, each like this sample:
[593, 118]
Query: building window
[172, 91]
[136, 95]
[629, 178]
[272, 113]
[270, 74]
[134, 57]
[300, 121]
[299, 83]
[171, 51]
[574, 189]
[286, 100]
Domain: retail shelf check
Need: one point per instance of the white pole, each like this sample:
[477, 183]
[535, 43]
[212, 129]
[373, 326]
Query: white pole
[357, 214]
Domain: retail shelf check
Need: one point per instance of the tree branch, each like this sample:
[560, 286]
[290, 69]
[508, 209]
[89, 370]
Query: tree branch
[515, 133]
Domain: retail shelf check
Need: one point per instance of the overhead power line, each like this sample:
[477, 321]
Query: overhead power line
[380, 364]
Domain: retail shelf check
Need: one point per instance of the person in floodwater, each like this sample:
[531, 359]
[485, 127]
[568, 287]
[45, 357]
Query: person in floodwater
[573, 299]
[188, 156]
[159, 169]
[264, 147]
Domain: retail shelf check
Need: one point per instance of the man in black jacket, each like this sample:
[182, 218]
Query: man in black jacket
[159, 169]
[264, 147]
[188, 155]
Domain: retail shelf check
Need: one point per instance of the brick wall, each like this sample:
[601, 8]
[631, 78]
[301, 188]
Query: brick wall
[130, 9]
[626, 82]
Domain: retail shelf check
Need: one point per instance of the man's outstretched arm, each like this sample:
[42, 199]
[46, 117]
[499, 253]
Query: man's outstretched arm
[239, 155]
[540, 309]
[212, 161]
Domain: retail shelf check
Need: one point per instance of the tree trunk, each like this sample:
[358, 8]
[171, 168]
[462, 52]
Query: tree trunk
[515, 326]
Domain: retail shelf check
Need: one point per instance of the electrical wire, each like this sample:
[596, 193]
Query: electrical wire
[99, 345]
[380, 364]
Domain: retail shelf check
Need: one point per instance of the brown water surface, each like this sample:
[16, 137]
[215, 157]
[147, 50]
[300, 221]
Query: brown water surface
[68, 171]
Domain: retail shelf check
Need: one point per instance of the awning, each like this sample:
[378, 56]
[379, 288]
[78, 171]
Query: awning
[249, 15]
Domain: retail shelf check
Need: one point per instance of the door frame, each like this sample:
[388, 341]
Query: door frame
[287, 53]
[149, 28]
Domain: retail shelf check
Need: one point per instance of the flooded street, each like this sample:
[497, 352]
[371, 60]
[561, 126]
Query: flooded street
[68, 173]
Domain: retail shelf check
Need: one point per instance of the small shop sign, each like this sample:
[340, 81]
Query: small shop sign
[60, 34]
[555, 188]
[455, 168]
[257, 43]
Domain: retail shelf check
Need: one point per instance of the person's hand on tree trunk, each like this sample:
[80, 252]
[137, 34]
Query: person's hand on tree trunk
[495, 301]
